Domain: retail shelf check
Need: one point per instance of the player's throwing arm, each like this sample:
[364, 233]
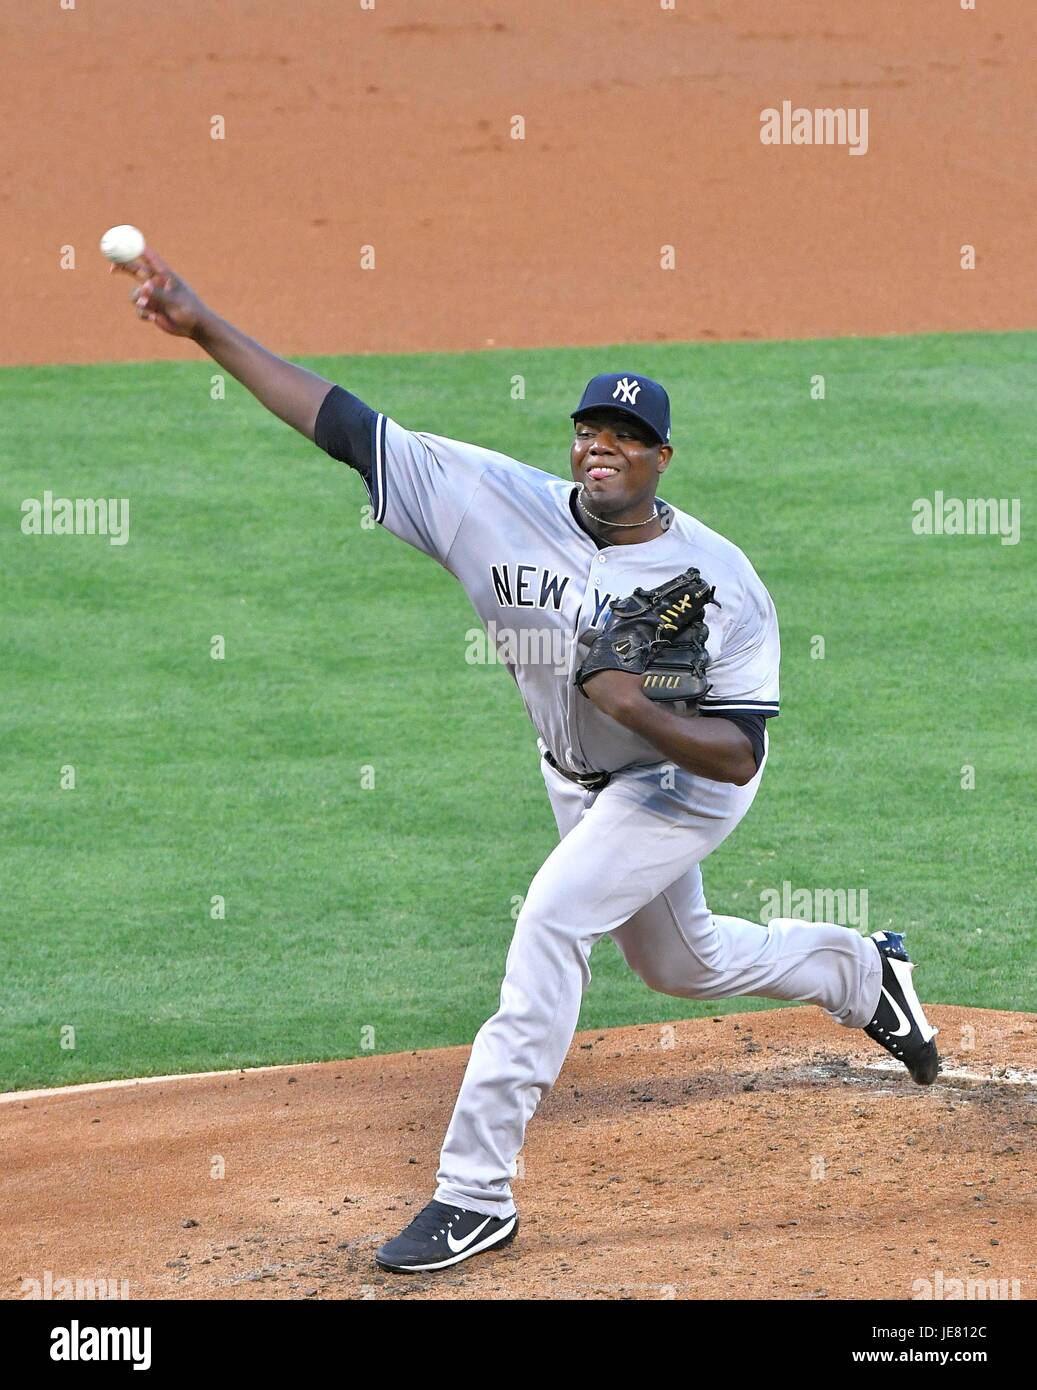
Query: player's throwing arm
[161, 297]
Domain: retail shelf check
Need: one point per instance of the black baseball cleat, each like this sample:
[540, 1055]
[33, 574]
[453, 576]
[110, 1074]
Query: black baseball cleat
[442, 1235]
[900, 1024]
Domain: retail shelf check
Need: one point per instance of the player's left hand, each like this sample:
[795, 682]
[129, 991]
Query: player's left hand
[615, 692]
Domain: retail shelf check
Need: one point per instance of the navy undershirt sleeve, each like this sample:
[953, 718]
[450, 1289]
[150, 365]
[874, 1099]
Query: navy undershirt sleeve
[751, 725]
[345, 429]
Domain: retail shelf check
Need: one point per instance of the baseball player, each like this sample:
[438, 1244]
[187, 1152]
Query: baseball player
[645, 649]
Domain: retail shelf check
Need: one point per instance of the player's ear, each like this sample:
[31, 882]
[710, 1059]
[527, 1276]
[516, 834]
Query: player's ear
[665, 454]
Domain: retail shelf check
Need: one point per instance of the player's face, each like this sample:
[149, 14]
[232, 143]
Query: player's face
[617, 461]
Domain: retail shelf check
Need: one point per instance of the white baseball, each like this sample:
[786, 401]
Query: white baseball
[122, 244]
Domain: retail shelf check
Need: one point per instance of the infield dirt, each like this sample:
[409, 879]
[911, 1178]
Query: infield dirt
[392, 128]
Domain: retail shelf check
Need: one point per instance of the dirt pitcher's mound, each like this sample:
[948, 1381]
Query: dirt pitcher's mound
[764, 1155]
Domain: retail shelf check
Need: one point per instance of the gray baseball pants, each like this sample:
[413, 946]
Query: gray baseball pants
[627, 864]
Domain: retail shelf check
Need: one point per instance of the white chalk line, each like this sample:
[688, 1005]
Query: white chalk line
[1011, 1076]
[7, 1097]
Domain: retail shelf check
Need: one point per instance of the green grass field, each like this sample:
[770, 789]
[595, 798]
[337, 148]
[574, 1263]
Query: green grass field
[389, 909]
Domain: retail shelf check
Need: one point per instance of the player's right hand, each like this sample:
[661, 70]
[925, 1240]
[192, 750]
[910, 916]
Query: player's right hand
[162, 298]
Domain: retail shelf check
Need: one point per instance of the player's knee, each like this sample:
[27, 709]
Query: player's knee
[682, 986]
[684, 975]
[546, 909]
[661, 976]
[547, 943]
[662, 984]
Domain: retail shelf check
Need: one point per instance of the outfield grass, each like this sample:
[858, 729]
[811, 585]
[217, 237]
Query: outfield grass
[389, 909]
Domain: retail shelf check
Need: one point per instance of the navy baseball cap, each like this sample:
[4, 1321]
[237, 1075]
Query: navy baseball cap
[637, 396]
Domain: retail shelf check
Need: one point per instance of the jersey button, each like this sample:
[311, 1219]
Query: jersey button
[601, 559]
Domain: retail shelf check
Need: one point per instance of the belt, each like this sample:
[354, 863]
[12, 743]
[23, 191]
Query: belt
[590, 781]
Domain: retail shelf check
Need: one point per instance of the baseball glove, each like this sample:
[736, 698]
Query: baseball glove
[658, 634]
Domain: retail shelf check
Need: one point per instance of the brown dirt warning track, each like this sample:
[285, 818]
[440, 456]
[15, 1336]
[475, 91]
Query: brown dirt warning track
[391, 128]
[768, 1156]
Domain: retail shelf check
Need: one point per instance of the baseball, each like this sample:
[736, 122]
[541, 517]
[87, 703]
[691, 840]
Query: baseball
[122, 244]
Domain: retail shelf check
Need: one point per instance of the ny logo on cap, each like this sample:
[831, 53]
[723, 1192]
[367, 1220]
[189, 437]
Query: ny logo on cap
[628, 389]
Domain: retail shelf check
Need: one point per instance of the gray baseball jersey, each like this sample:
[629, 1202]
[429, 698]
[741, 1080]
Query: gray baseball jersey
[538, 580]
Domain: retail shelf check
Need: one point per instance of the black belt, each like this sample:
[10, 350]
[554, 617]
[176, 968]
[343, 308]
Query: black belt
[590, 781]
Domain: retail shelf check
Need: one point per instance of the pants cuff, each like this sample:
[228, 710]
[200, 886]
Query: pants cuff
[867, 996]
[501, 1209]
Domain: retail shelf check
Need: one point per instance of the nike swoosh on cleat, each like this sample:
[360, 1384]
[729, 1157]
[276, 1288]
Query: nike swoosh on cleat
[458, 1245]
[905, 1026]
